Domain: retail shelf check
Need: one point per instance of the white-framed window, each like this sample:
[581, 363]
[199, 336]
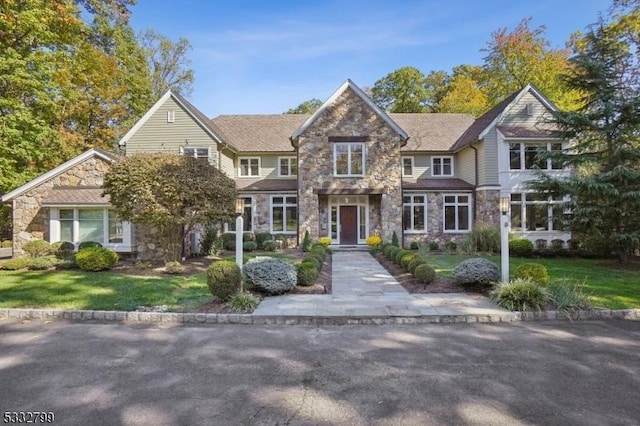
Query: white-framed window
[284, 214]
[201, 154]
[80, 224]
[171, 116]
[457, 213]
[287, 166]
[247, 217]
[414, 212]
[442, 166]
[531, 212]
[407, 166]
[348, 159]
[249, 166]
[524, 156]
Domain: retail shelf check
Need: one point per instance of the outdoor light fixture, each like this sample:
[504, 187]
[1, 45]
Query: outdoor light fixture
[239, 229]
[239, 206]
[504, 237]
[504, 205]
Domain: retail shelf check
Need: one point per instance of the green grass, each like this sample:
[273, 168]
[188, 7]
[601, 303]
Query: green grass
[606, 285]
[100, 290]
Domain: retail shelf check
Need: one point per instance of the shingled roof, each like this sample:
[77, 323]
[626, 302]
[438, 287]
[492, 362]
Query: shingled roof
[76, 196]
[432, 132]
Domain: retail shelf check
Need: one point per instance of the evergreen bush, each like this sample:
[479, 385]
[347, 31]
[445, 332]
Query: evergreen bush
[228, 240]
[96, 259]
[62, 249]
[520, 247]
[476, 271]
[37, 248]
[15, 264]
[307, 273]
[394, 239]
[406, 259]
[306, 242]
[274, 276]
[248, 236]
[5, 244]
[415, 245]
[533, 271]
[269, 245]
[249, 246]
[261, 237]
[415, 263]
[425, 273]
[174, 268]
[224, 279]
[42, 263]
[87, 244]
[399, 255]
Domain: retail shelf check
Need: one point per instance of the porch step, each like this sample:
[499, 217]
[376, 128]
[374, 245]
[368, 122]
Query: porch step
[337, 248]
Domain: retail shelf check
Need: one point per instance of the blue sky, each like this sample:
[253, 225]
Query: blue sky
[264, 57]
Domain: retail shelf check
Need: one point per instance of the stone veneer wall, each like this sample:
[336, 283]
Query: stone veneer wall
[349, 116]
[262, 214]
[30, 219]
[488, 207]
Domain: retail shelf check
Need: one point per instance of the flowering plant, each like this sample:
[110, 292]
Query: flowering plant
[374, 241]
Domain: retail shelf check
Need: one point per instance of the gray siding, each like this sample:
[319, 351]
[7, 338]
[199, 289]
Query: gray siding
[488, 157]
[466, 165]
[227, 164]
[422, 164]
[517, 114]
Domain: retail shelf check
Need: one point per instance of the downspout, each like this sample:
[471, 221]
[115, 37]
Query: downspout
[401, 197]
[475, 183]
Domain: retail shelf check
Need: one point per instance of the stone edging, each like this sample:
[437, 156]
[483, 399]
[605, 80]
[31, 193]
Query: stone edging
[201, 318]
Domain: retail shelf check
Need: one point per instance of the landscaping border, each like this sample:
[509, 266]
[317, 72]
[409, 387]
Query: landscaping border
[203, 318]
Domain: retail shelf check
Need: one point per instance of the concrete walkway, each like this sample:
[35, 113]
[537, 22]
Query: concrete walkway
[361, 287]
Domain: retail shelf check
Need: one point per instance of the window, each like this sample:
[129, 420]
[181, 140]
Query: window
[407, 166]
[249, 167]
[348, 159]
[287, 166]
[198, 153]
[536, 212]
[247, 217]
[523, 156]
[284, 214]
[171, 116]
[441, 166]
[77, 225]
[414, 212]
[457, 213]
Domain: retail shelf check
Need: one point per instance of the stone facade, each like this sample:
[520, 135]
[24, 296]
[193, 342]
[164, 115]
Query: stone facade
[488, 207]
[31, 220]
[349, 116]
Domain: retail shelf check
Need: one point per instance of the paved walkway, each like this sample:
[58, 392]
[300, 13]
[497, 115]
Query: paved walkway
[361, 287]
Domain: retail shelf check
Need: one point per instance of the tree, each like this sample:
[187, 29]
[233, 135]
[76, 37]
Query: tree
[437, 85]
[605, 188]
[307, 107]
[402, 90]
[169, 63]
[464, 94]
[170, 193]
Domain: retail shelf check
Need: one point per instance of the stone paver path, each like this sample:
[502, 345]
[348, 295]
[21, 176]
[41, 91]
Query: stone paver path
[361, 287]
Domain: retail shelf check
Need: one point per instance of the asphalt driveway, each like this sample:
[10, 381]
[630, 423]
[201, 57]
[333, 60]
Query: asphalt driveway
[585, 373]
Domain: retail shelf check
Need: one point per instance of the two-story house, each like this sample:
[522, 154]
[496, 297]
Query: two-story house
[348, 171]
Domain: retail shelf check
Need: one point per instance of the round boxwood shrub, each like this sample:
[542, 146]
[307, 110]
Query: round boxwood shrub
[520, 247]
[415, 263]
[15, 264]
[476, 271]
[87, 244]
[249, 246]
[314, 260]
[224, 279]
[96, 259]
[387, 250]
[273, 276]
[319, 249]
[37, 248]
[261, 237]
[400, 254]
[425, 273]
[415, 245]
[248, 236]
[269, 245]
[228, 240]
[63, 249]
[318, 258]
[521, 294]
[406, 259]
[533, 271]
[307, 274]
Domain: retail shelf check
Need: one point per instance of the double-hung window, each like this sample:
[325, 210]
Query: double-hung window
[287, 166]
[201, 154]
[441, 166]
[284, 214]
[249, 167]
[407, 166]
[414, 212]
[526, 156]
[348, 159]
[457, 213]
[536, 212]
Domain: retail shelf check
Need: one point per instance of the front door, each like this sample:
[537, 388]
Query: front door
[348, 224]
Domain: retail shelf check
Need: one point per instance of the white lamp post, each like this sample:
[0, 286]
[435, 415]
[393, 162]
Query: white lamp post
[504, 237]
[239, 229]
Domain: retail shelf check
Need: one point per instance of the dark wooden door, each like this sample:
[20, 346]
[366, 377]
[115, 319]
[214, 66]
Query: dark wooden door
[348, 225]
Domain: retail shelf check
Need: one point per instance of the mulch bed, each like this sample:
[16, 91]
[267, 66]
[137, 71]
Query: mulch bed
[412, 285]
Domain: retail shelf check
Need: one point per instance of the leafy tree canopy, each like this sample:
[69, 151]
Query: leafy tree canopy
[403, 90]
[307, 107]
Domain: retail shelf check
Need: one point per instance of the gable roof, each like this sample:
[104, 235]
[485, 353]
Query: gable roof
[76, 196]
[349, 85]
[486, 121]
[259, 133]
[93, 152]
[431, 131]
[194, 112]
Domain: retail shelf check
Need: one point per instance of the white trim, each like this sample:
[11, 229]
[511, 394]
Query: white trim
[171, 116]
[413, 164]
[249, 158]
[412, 204]
[384, 116]
[457, 204]
[364, 159]
[55, 172]
[54, 228]
[442, 157]
[291, 160]
[284, 206]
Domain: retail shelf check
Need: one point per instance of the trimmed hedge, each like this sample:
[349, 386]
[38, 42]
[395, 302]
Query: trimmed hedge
[406, 259]
[224, 279]
[425, 273]
[400, 254]
[96, 259]
[269, 245]
[415, 263]
[307, 273]
[37, 248]
[520, 247]
[87, 244]
[261, 237]
[249, 246]
[533, 271]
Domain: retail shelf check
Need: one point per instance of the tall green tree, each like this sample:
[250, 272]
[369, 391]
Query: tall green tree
[605, 188]
[402, 90]
[306, 107]
[464, 93]
[169, 63]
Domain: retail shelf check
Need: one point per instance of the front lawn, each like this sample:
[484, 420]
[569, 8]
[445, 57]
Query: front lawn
[607, 284]
[100, 290]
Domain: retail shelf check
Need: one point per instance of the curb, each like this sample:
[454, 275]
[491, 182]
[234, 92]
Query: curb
[201, 318]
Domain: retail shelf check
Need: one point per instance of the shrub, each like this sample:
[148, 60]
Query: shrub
[574, 244]
[451, 246]
[62, 249]
[399, 255]
[37, 248]
[261, 237]
[425, 273]
[406, 260]
[249, 246]
[599, 246]
[415, 263]
[475, 271]
[248, 236]
[387, 250]
[274, 276]
[541, 244]
[269, 245]
[224, 279]
[520, 247]
[393, 252]
[42, 263]
[319, 249]
[243, 303]
[325, 241]
[484, 238]
[15, 264]
[306, 242]
[569, 297]
[394, 239]
[557, 245]
[533, 271]
[174, 268]
[96, 259]
[228, 240]
[374, 241]
[5, 244]
[520, 294]
[314, 260]
[307, 273]
[433, 246]
[87, 244]
[68, 263]
[211, 244]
